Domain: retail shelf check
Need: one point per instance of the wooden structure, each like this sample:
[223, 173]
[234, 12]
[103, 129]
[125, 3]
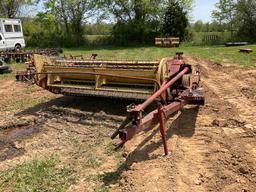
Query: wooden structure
[245, 50]
[167, 42]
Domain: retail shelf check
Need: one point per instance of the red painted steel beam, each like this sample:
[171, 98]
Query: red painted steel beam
[162, 121]
[162, 89]
[150, 120]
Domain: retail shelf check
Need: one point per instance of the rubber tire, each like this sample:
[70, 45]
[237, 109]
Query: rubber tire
[17, 47]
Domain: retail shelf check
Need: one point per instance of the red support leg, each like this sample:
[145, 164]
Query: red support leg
[163, 128]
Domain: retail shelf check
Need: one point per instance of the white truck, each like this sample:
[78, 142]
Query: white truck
[11, 35]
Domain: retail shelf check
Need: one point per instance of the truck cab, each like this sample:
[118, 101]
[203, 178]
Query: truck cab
[11, 35]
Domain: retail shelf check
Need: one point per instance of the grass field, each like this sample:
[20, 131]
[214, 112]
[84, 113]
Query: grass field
[229, 55]
[38, 175]
[199, 38]
[15, 67]
[73, 150]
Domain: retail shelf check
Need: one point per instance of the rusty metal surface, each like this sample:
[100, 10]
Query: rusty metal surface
[170, 79]
[101, 74]
[26, 55]
[111, 78]
[161, 90]
[108, 94]
[180, 96]
[162, 127]
[106, 64]
[27, 75]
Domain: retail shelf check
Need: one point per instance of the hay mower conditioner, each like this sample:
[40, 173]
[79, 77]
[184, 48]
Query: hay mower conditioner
[170, 82]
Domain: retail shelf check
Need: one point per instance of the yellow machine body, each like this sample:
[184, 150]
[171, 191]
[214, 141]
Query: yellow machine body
[115, 78]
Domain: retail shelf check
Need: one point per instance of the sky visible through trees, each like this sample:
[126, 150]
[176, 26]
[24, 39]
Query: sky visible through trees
[201, 11]
[133, 21]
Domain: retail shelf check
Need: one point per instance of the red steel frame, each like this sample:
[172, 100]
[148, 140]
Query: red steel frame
[172, 93]
[135, 123]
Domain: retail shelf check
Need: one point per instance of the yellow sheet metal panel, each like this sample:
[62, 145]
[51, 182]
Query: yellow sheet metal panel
[118, 76]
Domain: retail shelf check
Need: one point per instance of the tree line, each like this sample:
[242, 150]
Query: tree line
[238, 17]
[65, 22]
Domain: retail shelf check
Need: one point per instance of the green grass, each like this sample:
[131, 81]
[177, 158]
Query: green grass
[38, 175]
[109, 177]
[93, 161]
[15, 67]
[102, 189]
[198, 38]
[110, 149]
[213, 53]
[24, 103]
[230, 55]
[92, 38]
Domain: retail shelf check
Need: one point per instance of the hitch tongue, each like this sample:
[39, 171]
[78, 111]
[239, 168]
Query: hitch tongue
[122, 126]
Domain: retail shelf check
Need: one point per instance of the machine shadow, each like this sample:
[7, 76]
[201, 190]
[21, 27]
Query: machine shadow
[8, 149]
[110, 106]
[183, 126]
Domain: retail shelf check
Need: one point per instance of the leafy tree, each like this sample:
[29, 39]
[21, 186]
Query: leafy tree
[138, 21]
[126, 11]
[225, 12]
[175, 21]
[11, 8]
[199, 25]
[239, 15]
[246, 15]
[215, 27]
[71, 15]
[42, 31]
[99, 28]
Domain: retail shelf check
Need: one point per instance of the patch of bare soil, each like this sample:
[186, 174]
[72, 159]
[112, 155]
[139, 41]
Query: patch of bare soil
[212, 148]
[75, 130]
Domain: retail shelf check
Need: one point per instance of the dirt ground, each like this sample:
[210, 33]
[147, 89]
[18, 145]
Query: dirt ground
[213, 147]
